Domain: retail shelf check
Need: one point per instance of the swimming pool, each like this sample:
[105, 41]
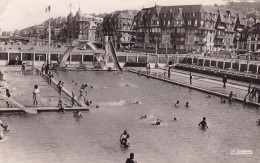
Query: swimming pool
[55, 137]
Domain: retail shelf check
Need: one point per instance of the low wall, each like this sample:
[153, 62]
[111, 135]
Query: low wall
[234, 76]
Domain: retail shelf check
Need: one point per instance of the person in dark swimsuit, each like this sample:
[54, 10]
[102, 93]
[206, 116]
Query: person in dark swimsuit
[203, 123]
[158, 122]
[131, 159]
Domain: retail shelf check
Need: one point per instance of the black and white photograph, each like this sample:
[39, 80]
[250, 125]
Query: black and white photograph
[137, 81]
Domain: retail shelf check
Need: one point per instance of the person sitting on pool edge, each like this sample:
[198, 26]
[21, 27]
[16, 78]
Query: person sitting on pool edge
[61, 108]
[203, 123]
[78, 114]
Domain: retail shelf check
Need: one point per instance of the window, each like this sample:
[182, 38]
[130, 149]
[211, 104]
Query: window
[189, 22]
[202, 23]
[195, 23]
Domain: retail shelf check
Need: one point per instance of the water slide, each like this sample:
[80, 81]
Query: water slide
[113, 52]
[66, 56]
[20, 106]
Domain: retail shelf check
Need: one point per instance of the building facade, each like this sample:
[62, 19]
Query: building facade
[118, 28]
[82, 26]
[190, 28]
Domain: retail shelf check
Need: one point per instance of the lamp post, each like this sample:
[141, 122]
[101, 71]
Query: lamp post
[156, 49]
[167, 39]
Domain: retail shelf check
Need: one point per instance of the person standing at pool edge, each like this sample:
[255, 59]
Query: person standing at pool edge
[42, 69]
[190, 79]
[224, 81]
[36, 96]
[23, 68]
[47, 67]
[169, 72]
[16, 60]
[60, 85]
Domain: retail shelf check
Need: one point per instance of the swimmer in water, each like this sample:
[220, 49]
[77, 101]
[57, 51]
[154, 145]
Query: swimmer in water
[177, 104]
[203, 123]
[137, 102]
[87, 102]
[175, 119]
[78, 114]
[208, 96]
[158, 122]
[97, 106]
[187, 104]
[223, 100]
[143, 117]
[258, 122]
[124, 138]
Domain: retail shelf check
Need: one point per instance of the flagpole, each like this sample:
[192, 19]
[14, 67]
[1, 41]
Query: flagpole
[49, 52]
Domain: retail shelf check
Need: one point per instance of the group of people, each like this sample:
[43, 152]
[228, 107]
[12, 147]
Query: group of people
[253, 93]
[45, 69]
[177, 104]
[124, 137]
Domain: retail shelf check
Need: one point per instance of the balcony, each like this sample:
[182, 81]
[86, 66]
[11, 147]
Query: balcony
[201, 34]
[178, 34]
[200, 42]
[176, 25]
[220, 36]
[177, 42]
[218, 44]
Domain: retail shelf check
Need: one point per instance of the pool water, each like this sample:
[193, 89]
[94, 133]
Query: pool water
[55, 137]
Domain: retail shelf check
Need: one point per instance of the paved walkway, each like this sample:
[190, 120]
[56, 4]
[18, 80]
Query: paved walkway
[21, 88]
[203, 81]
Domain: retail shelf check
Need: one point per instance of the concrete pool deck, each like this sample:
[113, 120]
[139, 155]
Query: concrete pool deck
[21, 88]
[200, 82]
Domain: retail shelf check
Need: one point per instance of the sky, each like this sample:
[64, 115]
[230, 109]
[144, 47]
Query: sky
[19, 14]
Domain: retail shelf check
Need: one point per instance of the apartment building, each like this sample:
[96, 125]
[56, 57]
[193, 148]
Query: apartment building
[189, 28]
[117, 27]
